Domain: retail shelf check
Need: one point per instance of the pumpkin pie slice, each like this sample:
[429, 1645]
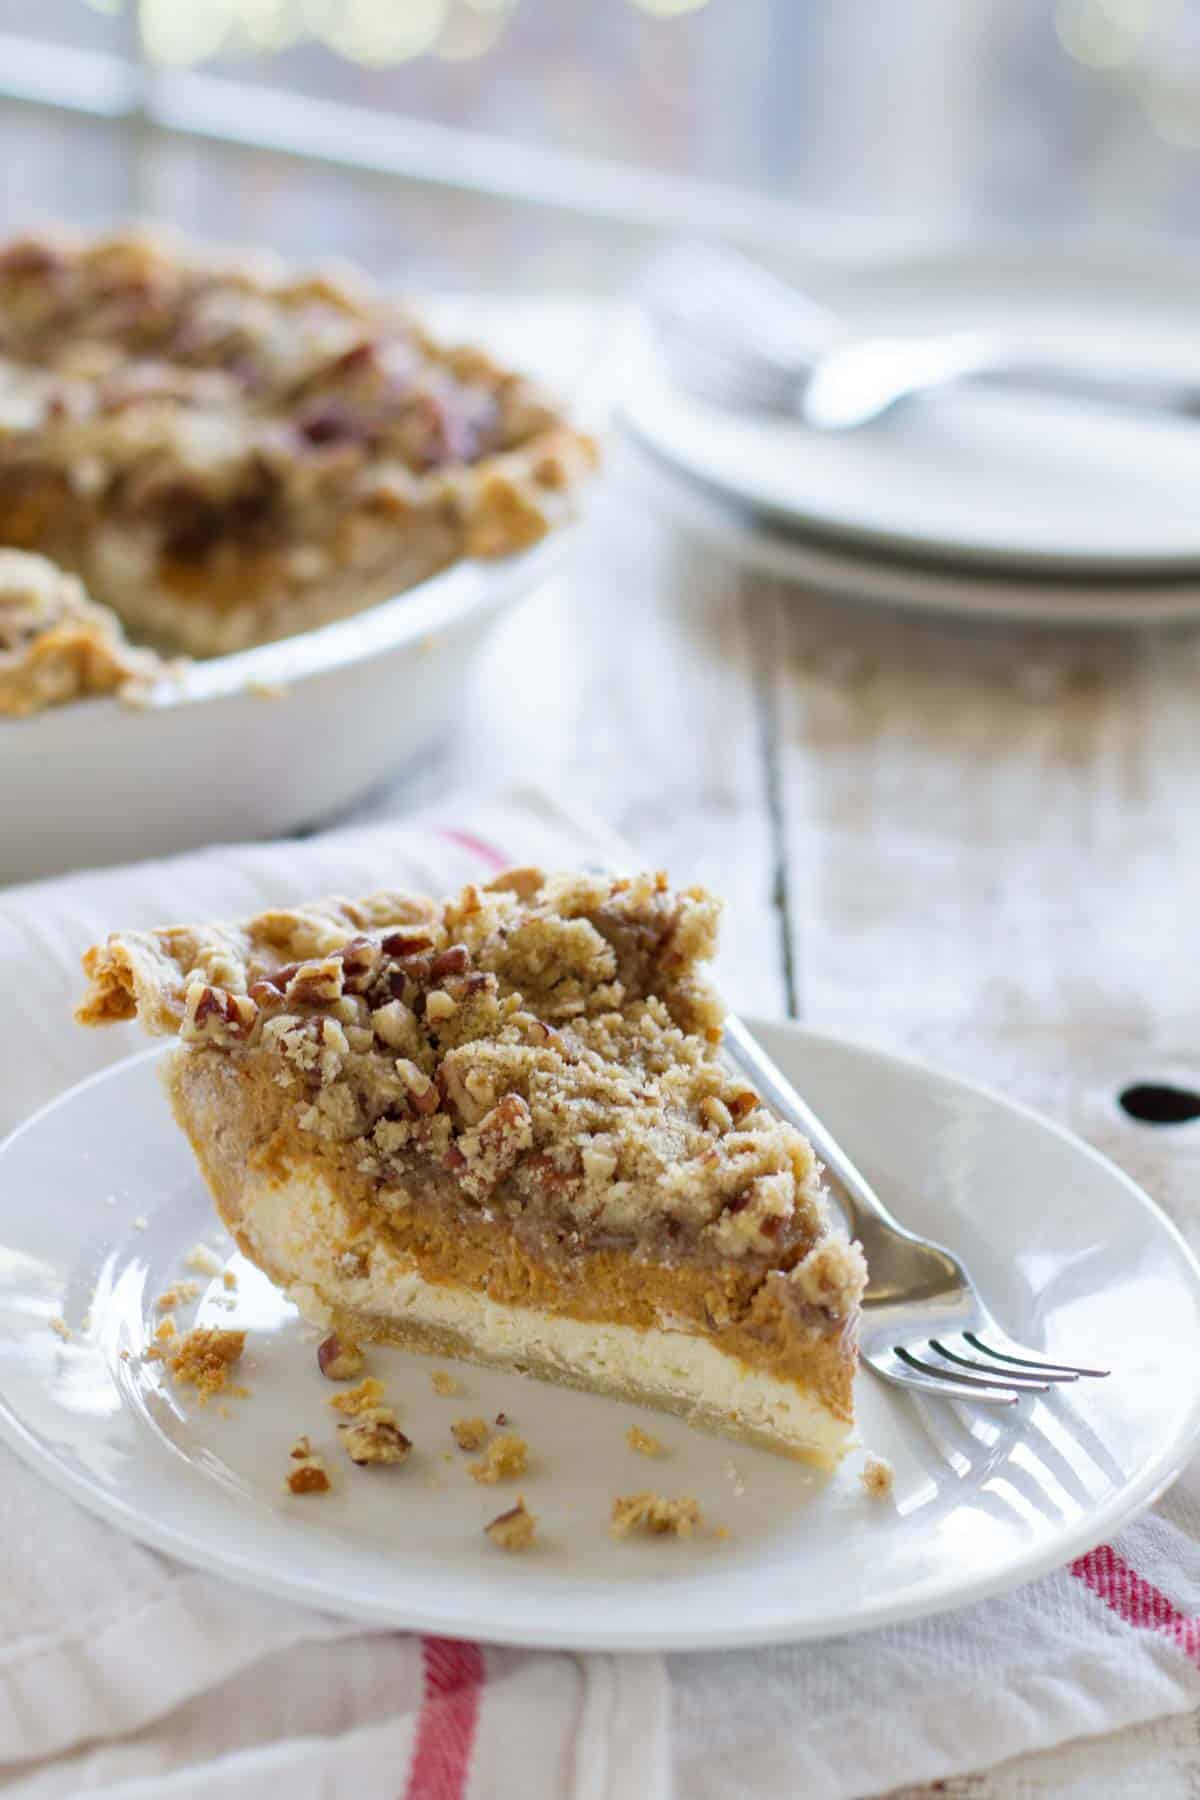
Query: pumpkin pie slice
[499, 1127]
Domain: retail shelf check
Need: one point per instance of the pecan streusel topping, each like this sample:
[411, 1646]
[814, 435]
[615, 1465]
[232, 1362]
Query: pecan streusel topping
[545, 1048]
[249, 434]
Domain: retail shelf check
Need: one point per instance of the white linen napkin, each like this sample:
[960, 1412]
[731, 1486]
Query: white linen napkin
[125, 1675]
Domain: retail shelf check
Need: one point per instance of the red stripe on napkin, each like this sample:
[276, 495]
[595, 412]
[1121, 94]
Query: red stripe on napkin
[1135, 1599]
[454, 1675]
[487, 853]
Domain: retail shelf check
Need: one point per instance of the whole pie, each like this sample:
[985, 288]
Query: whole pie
[227, 453]
[500, 1127]
[55, 645]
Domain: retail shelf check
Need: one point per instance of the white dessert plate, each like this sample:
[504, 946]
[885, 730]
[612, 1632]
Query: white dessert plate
[981, 478]
[843, 571]
[100, 1203]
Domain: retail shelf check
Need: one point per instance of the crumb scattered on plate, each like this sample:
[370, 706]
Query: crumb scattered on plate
[878, 1477]
[141, 1223]
[338, 1359]
[203, 1260]
[655, 1514]
[205, 1357]
[373, 1436]
[309, 1475]
[229, 1280]
[178, 1294]
[470, 1434]
[61, 1329]
[504, 1457]
[735, 1478]
[445, 1385]
[166, 1328]
[643, 1442]
[364, 1398]
[514, 1529]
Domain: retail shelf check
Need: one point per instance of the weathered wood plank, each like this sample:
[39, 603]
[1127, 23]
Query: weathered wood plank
[993, 858]
[630, 690]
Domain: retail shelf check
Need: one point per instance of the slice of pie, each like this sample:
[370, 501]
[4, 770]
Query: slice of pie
[56, 645]
[228, 452]
[500, 1128]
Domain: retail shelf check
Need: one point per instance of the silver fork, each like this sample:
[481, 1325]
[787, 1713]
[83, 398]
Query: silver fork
[925, 1324]
[732, 332]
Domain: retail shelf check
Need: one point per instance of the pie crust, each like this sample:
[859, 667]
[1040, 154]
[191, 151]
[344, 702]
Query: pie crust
[500, 1128]
[228, 453]
[56, 645]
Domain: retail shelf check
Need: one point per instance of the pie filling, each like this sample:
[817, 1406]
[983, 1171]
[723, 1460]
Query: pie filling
[501, 1128]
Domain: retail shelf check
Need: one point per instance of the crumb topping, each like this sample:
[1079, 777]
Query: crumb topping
[470, 1434]
[505, 1457]
[57, 645]
[654, 1514]
[373, 1436]
[878, 1477]
[643, 1442]
[309, 1475]
[363, 1398]
[546, 1047]
[203, 1260]
[205, 1357]
[180, 1293]
[514, 1529]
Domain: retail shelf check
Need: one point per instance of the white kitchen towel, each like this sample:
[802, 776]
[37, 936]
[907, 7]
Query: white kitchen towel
[124, 1674]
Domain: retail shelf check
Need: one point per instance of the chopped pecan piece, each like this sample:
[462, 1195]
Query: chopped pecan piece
[375, 1437]
[338, 1359]
[317, 983]
[514, 1529]
[212, 1015]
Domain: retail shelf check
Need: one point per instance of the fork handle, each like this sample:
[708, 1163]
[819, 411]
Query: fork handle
[862, 1204]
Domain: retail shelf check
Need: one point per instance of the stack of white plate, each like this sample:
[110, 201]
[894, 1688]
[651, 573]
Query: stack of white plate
[977, 501]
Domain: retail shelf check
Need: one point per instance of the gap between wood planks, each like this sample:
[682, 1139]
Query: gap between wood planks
[765, 651]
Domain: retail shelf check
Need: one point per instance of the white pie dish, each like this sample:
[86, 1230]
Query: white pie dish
[265, 741]
[1073, 1255]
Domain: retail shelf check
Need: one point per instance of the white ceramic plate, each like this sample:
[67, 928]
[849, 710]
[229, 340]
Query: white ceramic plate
[1067, 1249]
[863, 576]
[989, 478]
[219, 759]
